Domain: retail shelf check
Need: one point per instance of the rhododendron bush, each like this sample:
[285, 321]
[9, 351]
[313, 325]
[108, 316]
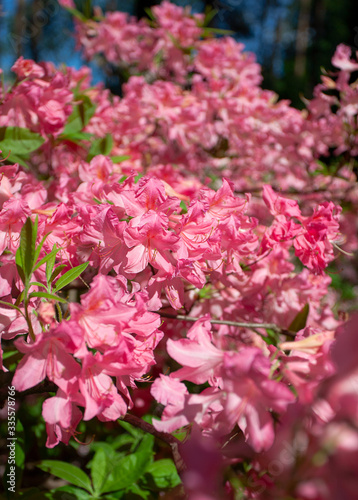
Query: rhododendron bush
[165, 255]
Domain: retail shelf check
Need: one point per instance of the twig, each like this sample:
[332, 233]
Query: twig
[5, 382]
[172, 441]
[293, 193]
[271, 326]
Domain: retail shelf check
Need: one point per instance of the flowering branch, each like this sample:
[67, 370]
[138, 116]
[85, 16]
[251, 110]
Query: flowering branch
[271, 326]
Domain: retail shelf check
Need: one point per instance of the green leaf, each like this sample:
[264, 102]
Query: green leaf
[9, 354]
[27, 246]
[21, 160]
[120, 158]
[70, 276]
[19, 265]
[10, 305]
[56, 272]
[137, 177]
[20, 141]
[180, 435]
[47, 257]
[134, 492]
[134, 431]
[148, 418]
[122, 441]
[149, 13]
[76, 137]
[116, 495]
[80, 116]
[37, 283]
[101, 146]
[183, 207]
[35, 227]
[209, 16]
[51, 262]
[68, 472]
[49, 296]
[300, 320]
[72, 493]
[126, 472]
[160, 475]
[20, 298]
[109, 449]
[146, 444]
[217, 31]
[99, 470]
[272, 337]
[39, 247]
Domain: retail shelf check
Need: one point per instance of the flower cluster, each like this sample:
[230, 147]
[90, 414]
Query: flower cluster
[114, 323]
[142, 235]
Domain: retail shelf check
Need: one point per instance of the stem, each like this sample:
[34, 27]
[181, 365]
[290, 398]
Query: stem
[271, 326]
[59, 311]
[6, 380]
[28, 319]
[289, 192]
[172, 441]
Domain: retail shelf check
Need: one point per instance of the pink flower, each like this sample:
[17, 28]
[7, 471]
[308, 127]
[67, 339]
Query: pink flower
[222, 203]
[168, 389]
[279, 205]
[223, 58]
[62, 417]
[309, 361]
[99, 392]
[25, 68]
[12, 217]
[150, 195]
[50, 355]
[200, 358]
[342, 59]
[149, 241]
[181, 408]
[105, 313]
[314, 247]
[251, 394]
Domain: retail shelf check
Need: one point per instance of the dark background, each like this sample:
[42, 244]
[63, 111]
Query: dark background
[292, 39]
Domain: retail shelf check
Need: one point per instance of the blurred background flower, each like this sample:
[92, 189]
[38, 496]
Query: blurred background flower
[292, 39]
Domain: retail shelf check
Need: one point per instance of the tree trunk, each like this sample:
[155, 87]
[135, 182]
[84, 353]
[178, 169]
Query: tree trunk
[302, 38]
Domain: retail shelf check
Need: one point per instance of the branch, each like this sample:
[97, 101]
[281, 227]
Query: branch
[271, 326]
[172, 441]
[288, 192]
[6, 381]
